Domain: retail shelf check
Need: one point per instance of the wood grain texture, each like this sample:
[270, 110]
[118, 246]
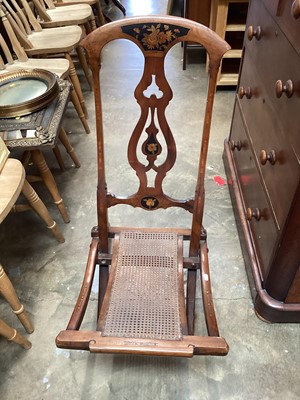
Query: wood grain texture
[142, 307]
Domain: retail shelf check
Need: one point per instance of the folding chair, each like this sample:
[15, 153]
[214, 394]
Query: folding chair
[144, 305]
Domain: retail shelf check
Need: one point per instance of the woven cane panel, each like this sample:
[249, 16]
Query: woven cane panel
[144, 298]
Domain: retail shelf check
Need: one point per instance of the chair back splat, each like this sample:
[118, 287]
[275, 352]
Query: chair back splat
[144, 306]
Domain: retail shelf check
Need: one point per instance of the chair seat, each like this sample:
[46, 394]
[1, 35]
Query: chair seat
[68, 15]
[143, 299]
[58, 66]
[54, 40]
[71, 2]
[143, 311]
[12, 179]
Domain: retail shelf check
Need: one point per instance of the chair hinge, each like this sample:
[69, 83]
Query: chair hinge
[191, 262]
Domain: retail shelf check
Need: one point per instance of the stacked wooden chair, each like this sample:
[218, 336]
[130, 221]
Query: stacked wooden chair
[95, 4]
[51, 16]
[144, 306]
[17, 59]
[39, 42]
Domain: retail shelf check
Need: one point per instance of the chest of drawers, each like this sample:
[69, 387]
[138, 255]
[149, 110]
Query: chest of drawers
[262, 157]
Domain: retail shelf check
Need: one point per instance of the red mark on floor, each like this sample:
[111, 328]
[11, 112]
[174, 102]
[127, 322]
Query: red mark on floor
[219, 181]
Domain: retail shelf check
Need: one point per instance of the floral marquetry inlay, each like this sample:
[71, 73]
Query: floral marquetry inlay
[155, 36]
[149, 202]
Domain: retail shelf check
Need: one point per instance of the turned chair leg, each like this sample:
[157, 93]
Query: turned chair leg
[13, 335]
[40, 208]
[80, 112]
[99, 13]
[59, 158]
[50, 183]
[8, 292]
[76, 84]
[63, 137]
[84, 66]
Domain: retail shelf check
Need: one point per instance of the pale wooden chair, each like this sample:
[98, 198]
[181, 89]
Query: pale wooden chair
[47, 42]
[12, 183]
[51, 16]
[17, 59]
[95, 4]
[143, 305]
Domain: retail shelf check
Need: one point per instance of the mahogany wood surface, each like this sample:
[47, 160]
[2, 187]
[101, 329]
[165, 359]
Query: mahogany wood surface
[262, 158]
[155, 36]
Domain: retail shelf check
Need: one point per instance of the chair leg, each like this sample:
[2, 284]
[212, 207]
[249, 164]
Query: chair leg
[120, 6]
[84, 65]
[59, 158]
[8, 292]
[190, 300]
[76, 84]
[13, 335]
[49, 181]
[78, 108]
[63, 137]
[99, 13]
[40, 208]
[90, 25]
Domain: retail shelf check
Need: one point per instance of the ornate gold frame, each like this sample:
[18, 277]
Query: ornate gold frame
[34, 104]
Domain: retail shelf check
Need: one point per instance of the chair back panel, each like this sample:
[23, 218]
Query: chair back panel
[155, 36]
[6, 52]
[16, 35]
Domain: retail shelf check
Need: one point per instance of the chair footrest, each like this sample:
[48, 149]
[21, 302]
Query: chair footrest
[187, 347]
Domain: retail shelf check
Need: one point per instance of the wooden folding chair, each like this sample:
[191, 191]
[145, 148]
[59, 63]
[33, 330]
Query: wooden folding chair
[144, 306]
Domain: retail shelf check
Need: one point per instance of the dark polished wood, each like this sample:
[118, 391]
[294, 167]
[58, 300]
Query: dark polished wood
[262, 158]
[112, 248]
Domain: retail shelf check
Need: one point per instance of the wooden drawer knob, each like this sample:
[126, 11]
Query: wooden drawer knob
[271, 157]
[251, 32]
[295, 10]
[244, 92]
[250, 214]
[287, 88]
[235, 145]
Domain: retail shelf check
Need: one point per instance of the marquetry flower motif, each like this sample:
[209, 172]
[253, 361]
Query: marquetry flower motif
[155, 36]
[150, 202]
[152, 148]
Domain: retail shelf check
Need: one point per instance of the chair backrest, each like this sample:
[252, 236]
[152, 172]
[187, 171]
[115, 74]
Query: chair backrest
[10, 47]
[21, 18]
[155, 36]
[14, 30]
[41, 7]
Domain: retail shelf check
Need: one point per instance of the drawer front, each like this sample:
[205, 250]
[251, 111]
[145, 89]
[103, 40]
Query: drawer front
[278, 65]
[286, 14]
[264, 231]
[275, 157]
